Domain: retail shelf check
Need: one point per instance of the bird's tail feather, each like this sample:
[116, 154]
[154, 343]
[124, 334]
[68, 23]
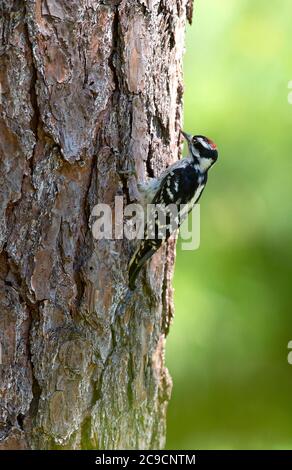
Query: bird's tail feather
[142, 254]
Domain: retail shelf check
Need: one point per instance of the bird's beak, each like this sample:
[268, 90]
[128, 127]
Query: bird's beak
[188, 137]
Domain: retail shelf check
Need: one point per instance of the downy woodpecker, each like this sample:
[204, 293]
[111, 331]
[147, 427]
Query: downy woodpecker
[181, 184]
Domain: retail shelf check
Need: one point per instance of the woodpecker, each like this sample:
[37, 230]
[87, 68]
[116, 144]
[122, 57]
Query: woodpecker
[181, 184]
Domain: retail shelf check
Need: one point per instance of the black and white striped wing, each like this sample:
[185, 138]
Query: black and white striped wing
[170, 207]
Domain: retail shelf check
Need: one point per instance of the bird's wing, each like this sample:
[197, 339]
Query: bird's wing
[170, 206]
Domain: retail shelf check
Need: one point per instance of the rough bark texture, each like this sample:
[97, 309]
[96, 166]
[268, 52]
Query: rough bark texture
[88, 88]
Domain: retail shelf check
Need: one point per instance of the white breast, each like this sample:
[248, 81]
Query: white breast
[204, 164]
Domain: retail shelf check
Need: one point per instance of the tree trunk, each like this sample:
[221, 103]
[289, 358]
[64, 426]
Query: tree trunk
[88, 89]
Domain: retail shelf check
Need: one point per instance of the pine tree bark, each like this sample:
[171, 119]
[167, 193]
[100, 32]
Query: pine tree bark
[88, 89]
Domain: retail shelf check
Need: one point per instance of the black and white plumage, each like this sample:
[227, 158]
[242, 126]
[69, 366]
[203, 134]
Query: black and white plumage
[181, 185]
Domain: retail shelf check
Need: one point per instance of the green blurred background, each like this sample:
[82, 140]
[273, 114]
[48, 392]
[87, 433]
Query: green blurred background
[227, 349]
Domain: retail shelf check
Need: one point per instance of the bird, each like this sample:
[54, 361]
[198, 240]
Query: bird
[179, 187]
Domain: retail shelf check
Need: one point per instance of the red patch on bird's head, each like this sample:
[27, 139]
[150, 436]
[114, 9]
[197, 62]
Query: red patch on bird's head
[212, 144]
